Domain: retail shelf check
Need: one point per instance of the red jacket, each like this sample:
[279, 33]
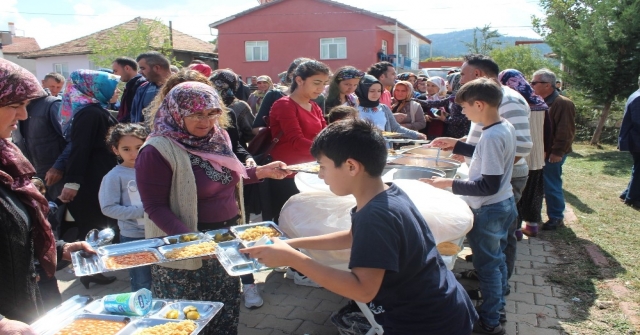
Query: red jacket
[299, 128]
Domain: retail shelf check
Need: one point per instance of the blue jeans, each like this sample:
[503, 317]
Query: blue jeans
[140, 276]
[632, 193]
[553, 194]
[488, 240]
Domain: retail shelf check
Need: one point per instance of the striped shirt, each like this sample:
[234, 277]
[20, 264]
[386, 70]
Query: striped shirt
[515, 109]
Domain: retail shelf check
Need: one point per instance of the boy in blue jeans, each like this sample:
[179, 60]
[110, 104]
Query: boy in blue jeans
[488, 192]
[395, 266]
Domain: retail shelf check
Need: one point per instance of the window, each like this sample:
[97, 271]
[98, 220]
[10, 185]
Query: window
[256, 51]
[61, 68]
[333, 48]
[384, 47]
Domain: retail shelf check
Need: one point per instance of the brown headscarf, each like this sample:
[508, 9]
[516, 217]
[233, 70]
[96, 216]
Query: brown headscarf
[17, 85]
[397, 106]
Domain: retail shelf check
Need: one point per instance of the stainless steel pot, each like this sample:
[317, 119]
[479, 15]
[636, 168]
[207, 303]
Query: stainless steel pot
[413, 172]
[448, 166]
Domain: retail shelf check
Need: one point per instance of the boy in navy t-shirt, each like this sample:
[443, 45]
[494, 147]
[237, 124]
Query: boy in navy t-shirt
[395, 266]
[488, 192]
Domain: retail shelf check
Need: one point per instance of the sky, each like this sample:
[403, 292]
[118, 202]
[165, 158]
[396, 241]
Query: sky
[56, 21]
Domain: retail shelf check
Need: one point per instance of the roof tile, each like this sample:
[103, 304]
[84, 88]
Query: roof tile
[20, 45]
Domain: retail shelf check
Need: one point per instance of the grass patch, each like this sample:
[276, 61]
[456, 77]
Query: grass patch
[593, 178]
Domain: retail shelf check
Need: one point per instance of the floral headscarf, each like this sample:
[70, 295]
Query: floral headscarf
[17, 84]
[515, 80]
[404, 76]
[183, 100]
[86, 87]
[349, 73]
[454, 82]
[226, 82]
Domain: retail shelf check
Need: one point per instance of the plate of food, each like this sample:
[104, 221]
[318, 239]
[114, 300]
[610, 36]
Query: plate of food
[254, 231]
[188, 250]
[391, 134]
[311, 167]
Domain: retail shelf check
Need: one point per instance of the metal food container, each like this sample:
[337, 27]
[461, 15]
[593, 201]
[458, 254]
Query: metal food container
[163, 250]
[212, 233]
[233, 261]
[427, 152]
[64, 323]
[96, 307]
[127, 246]
[413, 172]
[60, 313]
[140, 324]
[206, 309]
[153, 251]
[448, 166]
[167, 239]
[238, 230]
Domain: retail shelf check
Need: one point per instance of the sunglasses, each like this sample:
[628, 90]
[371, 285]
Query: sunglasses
[534, 83]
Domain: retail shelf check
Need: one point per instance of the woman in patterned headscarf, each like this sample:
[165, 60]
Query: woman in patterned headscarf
[341, 90]
[187, 174]
[530, 205]
[264, 84]
[25, 233]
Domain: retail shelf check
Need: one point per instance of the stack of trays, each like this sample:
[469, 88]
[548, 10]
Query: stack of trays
[82, 315]
[178, 247]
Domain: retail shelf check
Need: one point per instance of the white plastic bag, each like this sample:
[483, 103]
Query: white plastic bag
[318, 213]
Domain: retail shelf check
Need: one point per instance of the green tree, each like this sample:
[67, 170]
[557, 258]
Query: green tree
[147, 35]
[597, 41]
[484, 43]
[522, 58]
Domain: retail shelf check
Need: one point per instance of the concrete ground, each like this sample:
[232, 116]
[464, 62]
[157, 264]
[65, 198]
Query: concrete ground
[533, 307]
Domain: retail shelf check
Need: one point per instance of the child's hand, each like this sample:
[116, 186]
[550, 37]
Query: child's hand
[274, 255]
[444, 143]
[438, 182]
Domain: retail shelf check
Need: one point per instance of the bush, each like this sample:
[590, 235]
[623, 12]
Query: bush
[588, 114]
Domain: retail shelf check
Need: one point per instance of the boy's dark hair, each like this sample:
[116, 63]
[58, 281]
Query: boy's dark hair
[352, 138]
[121, 130]
[126, 61]
[307, 69]
[378, 69]
[342, 112]
[55, 76]
[154, 58]
[481, 89]
[483, 63]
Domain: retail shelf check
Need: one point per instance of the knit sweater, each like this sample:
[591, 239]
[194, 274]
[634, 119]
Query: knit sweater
[183, 198]
[535, 160]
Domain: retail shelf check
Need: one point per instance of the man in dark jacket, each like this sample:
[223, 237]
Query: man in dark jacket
[562, 112]
[629, 140]
[127, 69]
[40, 139]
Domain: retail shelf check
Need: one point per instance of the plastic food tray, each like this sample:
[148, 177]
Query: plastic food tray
[239, 230]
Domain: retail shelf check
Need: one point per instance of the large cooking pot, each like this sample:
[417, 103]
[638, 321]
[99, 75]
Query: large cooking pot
[428, 152]
[448, 166]
[413, 172]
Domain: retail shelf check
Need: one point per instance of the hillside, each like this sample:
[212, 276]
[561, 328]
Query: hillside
[452, 44]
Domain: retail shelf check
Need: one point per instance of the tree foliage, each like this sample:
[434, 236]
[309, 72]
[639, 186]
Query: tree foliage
[118, 42]
[522, 58]
[484, 43]
[597, 41]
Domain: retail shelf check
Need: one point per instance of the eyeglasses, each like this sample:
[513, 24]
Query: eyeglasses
[200, 117]
[534, 83]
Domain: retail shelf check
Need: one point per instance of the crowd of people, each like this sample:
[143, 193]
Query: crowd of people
[174, 158]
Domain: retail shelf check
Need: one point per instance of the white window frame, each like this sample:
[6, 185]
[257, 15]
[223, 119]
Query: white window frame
[325, 47]
[61, 68]
[250, 51]
[384, 46]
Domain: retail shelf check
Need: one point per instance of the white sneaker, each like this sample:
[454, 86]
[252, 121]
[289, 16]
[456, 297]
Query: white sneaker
[252, 298]
[303, 280]
[290, 274]
[281, 269]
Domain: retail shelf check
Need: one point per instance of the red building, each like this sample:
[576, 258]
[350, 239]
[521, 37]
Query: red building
[266, 38]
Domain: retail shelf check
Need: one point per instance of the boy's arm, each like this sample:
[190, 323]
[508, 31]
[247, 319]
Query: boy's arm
[464, 149]
[333, 241]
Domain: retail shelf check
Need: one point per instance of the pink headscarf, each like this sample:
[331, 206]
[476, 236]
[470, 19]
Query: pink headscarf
[202, 68]
[183, 100]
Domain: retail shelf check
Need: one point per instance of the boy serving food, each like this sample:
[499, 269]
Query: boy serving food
[395, 266]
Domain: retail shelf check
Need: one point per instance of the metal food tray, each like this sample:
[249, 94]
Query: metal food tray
[310, 167]
[201, 236]
[61, 312]
[140, 324]
[206, 309]
[155, 252]
[97, 307]
[212, 233]
[63, 323]
[97, 264]
[163, 250]
[238, 230]
[126, 246]
[235, 262]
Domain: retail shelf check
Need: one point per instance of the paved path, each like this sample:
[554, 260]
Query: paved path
[533, 307]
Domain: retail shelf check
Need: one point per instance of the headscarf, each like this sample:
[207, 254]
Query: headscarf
[363, 91]
[515, 80]
[260, 95]
[398, 105]
[441, 83]
[404, 76]
[86, 87]
[454, 82]
[17, 84]
[202, 68]
[183, 100]
[226, 82]
[349, 73]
